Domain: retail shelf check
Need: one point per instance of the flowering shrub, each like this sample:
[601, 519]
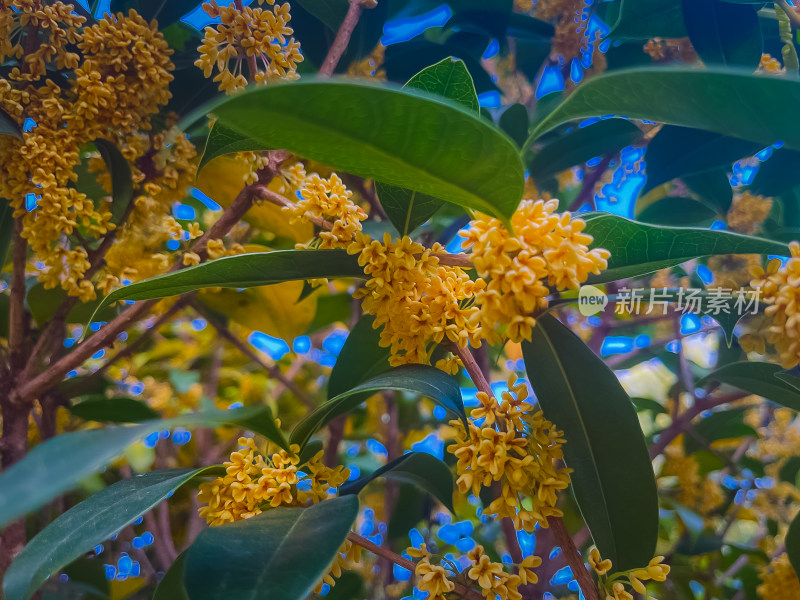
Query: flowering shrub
[360, 299]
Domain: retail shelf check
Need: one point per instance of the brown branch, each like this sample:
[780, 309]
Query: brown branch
[574, 559]
[462, 590]
[589, 182]
[343, 37]
[17, 320]
[273, 370]
[471, 366]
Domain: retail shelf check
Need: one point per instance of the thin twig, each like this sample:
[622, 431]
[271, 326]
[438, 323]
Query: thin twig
[16, 324]
[342, 38]
[574, 559]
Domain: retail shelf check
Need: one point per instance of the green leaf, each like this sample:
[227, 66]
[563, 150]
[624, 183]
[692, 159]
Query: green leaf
[648, 404]
[57, 465]
[605, 446]
[450, 79]
[724, 33]
[360, 358]
[724, 101]
[675, 210]
[113, 410]
[415, 379]
[242, 271]
[515, 122]
[762, 379]
[719, 425]
[679, 151]
[425, 143]
[223, 140]
[44, 303]
[713, 188]
[6, 229]
[87, 524]
[419, 468]
[777, 175]
[171, 585]
[644, 19]
[790, 376]
[793, 544]
[280, 554]
[9, 125]
[582, 144]
[638, 248]
[121, 179]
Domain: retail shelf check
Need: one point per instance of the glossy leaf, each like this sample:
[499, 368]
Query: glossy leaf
[679, 151]
[121, 179]
[762, 379]
[723, 33]
[645, 19]
[425, 144]
[415, 379]
[777, 175]
[223, 140]
[171, 585]
[713, 188]
[113, 410]
[724, 101]
[277, 555]
[57, 465]
[450, 79]
[360, 358]
[423, 470]
[582, 144]
[9, 125]
[87, 524]
[638, 248]
[605, 448]
[719, 425]
[515, 122]
[673, 210]
[793, 544]
[243, 271]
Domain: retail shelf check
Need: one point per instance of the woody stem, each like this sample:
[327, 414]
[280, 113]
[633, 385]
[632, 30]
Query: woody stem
[573, 557]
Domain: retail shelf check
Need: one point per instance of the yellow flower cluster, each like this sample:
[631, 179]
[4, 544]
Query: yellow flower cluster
[253, 483]
[255, 35]
[119, 79]
[747, 212]
[612, 585]
[779, 580]
[771, 65]
[369, 67]
[546, 249]
[693, 490]
[348, 555]
[517, 447]
[780, 290]
[491, 577]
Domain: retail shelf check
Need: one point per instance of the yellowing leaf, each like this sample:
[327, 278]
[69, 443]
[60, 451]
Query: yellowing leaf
[223, 178]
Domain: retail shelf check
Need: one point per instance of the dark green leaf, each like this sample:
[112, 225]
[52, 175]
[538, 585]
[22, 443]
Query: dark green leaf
[720, 425]
[723, 33]
[675, 210]
[58, 464]
[6, 229]
[331, 308]
[426, 144]
[222, 140]
[280, 554]
[777, 175]
[638, 248]
[9, 126]
[406, 209]
[713, 188]
[113, 410]
[415, 379]
[242, 271]
[678, 151]
[790, 376]
[582, 144]
[309, 451]
[644, 19]
[87, 524]
[724, 101]
[762, 379]
[121, 179]
[360, 358]
[605, 447]
[793, 544]
[419, 468]
[350, 586]
[514, 121]
[171, 585]
[648, 404]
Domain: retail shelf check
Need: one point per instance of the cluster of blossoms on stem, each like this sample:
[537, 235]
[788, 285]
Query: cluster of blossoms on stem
[492, 578]
[780, 291]
[546, 248]
[614, 585]
[260, 36]
[692, 490]
[510, 443]
[778, 579]
[747, 212]
[253, 483]
[116, 74]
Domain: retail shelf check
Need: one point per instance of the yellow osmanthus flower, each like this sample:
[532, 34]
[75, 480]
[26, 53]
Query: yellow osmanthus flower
[260, 35]
[546, 249]
[518, 448]
[254, 482]
[771, 65]
[747, 212]
[431, 578]
[693, 490]
[370, 67]
[613, 585]
[600, 566]
[779, 580]
[780, 291]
